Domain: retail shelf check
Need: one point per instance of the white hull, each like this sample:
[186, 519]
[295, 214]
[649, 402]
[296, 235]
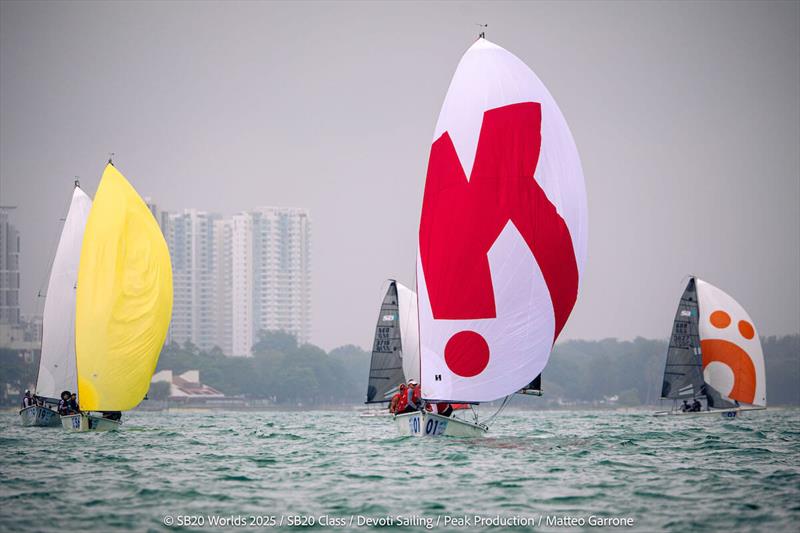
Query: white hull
[425, 424]
[724, 413]
[84, 422]
[37, 416]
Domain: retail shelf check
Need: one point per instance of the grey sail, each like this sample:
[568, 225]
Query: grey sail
[533, 388]
[683, 373]
[386, 366]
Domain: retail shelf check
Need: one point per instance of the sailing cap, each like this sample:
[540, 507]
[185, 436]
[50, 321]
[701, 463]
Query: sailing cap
[412, 381]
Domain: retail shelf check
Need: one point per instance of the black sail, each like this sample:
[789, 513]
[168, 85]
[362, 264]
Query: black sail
[683, 374]
[386, 366]
[533, 388]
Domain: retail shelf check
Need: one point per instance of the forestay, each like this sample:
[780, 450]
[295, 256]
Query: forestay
[502, 237]
[57, 370]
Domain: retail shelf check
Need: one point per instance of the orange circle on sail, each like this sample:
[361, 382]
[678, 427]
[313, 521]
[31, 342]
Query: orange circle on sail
[720, 319]
[746, 329]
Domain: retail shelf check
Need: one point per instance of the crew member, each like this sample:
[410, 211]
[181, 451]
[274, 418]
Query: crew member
[413, 397]
[444, 409]
[27, 401]
[393, 404]
[63, 403]
[696, 406]
[73, 404]
[685, 407]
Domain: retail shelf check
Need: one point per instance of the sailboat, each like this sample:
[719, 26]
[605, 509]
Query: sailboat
[57, 371]
[395, 349]
[123, 305]
[714, 355]
[502, 239]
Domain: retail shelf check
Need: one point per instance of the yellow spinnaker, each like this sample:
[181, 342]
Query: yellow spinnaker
[124, 298]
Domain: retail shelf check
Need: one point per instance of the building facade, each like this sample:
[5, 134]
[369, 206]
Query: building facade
[9, 269]
[239, 275]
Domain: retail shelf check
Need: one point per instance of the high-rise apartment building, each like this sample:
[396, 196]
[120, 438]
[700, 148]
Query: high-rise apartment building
[236, 276]
[9, 269]
[190, 237]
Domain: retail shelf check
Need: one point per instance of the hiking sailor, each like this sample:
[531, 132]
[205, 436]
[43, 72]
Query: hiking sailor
[27, 401]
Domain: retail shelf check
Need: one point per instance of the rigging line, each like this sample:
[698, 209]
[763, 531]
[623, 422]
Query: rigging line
[503, 405]
[45, 281]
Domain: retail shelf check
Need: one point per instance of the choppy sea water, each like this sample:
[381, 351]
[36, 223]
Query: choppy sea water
[336, 470]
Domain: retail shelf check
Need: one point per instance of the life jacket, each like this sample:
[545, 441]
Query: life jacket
[393, 402]
[416, 395]
[402, 401]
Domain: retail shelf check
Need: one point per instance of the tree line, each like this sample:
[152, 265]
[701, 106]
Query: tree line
[287, 373]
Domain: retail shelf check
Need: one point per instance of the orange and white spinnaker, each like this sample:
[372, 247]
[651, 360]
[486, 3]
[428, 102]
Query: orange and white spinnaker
[733, 360]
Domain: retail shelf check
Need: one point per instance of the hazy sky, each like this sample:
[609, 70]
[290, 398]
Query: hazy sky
[686, 116]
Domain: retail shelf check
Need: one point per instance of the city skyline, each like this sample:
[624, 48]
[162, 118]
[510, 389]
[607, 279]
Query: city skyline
[685, 173]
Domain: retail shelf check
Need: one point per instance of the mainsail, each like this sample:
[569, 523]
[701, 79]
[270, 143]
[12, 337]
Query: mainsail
[533, 388]
[683, 374]
[395, 352]
[502, 238]
[57, 370]
[386, 365]
[124, 298]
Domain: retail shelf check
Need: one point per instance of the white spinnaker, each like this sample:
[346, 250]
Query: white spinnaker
[409, 331]
[57, 367]
[489, 76]
[712, 299]
[523, 332]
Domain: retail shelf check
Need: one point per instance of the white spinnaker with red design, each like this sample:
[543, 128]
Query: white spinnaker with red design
[503, 231]
[733, 361]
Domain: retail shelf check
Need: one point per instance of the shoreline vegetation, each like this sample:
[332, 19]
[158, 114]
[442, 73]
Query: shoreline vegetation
[282, 375]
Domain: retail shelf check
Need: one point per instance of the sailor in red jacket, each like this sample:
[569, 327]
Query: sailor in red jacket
[394, 405]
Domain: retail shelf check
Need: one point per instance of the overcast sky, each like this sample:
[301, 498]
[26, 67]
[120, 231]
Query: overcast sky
[686, 116]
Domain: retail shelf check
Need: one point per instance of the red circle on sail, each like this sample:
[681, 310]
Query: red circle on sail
[466, 354]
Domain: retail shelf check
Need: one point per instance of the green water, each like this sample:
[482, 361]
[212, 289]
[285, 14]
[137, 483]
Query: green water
[679, 474]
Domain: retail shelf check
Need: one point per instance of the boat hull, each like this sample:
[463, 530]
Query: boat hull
[724, 413]
[425, 424]
[37, 416]
[85, 422]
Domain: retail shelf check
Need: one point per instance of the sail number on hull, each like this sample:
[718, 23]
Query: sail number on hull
[433, 426]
